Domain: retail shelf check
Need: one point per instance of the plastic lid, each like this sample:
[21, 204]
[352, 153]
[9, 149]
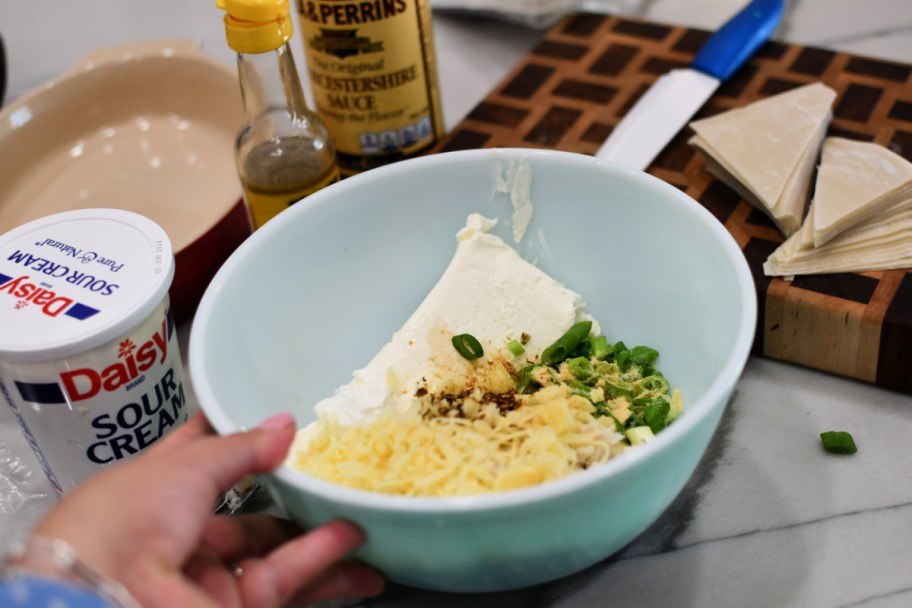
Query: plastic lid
[256, 26]
[75, 280]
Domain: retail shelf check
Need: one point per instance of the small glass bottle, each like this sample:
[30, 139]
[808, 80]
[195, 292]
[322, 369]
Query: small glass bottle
[283, 151]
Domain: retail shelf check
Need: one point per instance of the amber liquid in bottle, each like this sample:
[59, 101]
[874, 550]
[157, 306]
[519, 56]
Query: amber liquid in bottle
[276, 175]
[284, 151]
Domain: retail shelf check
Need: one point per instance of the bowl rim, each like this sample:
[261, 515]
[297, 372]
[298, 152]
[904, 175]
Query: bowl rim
[717, 391]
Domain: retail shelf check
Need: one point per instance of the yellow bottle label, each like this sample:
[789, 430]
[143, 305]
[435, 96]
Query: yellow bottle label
[266, 203]
[374, 77]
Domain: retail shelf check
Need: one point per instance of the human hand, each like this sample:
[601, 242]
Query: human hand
[148, 524]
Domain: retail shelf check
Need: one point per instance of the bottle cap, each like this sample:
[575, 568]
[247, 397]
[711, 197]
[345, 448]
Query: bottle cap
[77, 279]
[256, 26]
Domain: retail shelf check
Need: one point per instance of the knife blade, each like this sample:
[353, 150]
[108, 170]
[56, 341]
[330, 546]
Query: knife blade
[675, 97]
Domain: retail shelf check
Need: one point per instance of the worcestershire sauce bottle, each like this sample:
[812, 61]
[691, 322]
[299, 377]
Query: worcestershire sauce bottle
[374, 78]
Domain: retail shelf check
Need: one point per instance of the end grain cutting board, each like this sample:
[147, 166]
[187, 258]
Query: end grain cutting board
[588, 70]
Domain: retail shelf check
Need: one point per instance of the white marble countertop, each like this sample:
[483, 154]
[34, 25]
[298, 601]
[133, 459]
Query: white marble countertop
[768, 519]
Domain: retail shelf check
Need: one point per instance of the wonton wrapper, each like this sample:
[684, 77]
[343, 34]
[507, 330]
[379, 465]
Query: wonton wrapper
[766, 151]
[883, 242]
[856, 181]
[862, 208]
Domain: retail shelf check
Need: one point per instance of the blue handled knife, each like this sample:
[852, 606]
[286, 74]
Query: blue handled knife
[676, 96]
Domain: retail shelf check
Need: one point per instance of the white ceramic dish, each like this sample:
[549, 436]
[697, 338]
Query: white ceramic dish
[147, 128]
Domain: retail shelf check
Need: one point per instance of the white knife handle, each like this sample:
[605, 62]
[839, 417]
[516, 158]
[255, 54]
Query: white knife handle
[657, 117]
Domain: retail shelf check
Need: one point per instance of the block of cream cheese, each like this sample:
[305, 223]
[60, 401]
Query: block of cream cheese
[766, 151]
[487, 290]
[89, 359]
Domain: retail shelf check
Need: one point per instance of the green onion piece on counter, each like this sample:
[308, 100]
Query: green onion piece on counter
[515, 347]
[563, 346]
[838, 442]
[468, 346]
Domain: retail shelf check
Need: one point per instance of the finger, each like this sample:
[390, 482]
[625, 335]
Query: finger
[162, 586]
[237, 537]
[197, 426]
[219, 461]
[211, 575]
[345, 580]
[273, 580]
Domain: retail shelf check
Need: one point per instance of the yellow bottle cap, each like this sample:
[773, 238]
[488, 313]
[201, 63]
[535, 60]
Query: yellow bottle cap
[256, 26]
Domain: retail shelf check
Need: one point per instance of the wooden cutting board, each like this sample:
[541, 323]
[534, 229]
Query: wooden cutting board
[588, 70]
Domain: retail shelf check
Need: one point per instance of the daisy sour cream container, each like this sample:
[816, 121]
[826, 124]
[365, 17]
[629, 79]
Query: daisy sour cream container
[89, 358]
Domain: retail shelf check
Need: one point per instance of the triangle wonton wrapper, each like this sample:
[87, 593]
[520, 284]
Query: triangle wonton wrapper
[881, 242]
[766, 151]
[855, 181]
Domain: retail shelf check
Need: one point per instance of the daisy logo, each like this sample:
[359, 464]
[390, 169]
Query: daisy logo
[125, 349]
[47, 301]
[132, 361]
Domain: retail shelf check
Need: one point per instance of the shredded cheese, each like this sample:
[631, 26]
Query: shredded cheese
[552, 433]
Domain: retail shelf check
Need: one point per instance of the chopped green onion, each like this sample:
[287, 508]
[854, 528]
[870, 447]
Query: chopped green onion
[468, 346]
[639, 435]
[525, 378]
[622, 357]
[838, 442]
[613, 390]
[656, 415]
[607, 369]
[654, 384]
[600, 348]
[643, 355]
[515, 347]
[581, 368]
[563, 346]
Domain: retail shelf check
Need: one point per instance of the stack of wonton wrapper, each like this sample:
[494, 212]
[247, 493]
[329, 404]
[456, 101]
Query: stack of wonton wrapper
[860, 215]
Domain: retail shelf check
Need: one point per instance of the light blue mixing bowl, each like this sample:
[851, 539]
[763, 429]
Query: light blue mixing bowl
[316, 292]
